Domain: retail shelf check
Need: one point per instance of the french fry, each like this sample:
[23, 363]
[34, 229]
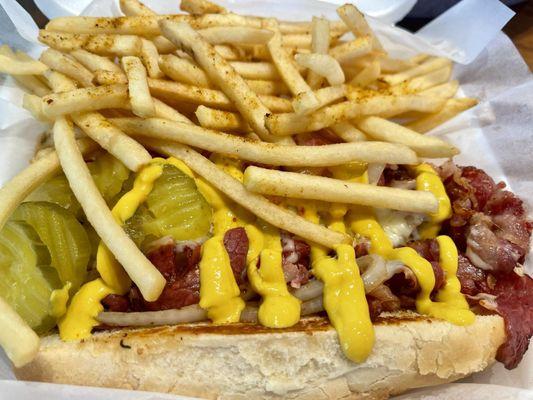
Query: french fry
[66, 65]
[228, 53]
[220, 120]
[147, 25]
[263, 87]
[94, 62]
[134, 7]
[446, 90]
[222, 74]
[304, 186]
[256, 70]
[18, 340]
[12, 66]
[346, 52]
[201, 7]
[305, 101]
[292, 123]
[254, 203]
[132, 154]
[424, 68]
[347, 132]
[150, 59]
[302, 41]
[85, 99]
[60, 82]
[34, 105]
[21, 185]
[357, 23]
[147, 278]
[423, 82]
[392, 65]
[266, 153]
[320, 42]
[103, 77]
[101, 44]
[139, 93]
[237, 35]
[323, 65]
[367, 75]
[450, 110]
[424, 146]
[177, 91]
[163, 110]
[29, 82]
[183, 70]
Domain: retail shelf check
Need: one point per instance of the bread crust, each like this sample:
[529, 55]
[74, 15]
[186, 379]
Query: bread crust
[248, 361]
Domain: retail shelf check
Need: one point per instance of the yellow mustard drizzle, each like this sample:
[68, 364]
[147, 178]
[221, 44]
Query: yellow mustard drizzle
[363, 222]
[428, 180]
[344, 292]
[58, 301]
[85, 306]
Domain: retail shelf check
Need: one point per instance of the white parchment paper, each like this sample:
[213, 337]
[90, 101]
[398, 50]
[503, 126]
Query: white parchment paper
[497, 135]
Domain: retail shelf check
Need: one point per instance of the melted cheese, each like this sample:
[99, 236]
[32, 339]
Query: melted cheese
[81, 314]
[363, 222]
[428, 180]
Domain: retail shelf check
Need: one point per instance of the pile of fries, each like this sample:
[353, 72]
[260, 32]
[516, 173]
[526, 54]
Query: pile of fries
[173, 84]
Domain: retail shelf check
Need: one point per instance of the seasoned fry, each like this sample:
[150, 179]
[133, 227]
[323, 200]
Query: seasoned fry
[424, 146]
[18, 340]
[228, 52]
[132, 154]
[85, 99]
[141, 271]
[450, 110]
[305, 101]
[163, 110]
[292, 123]
[256, 70]
[357, 23]
[134, 7]
[12, 66]
[392, 65]
[201, 7]
[346, 52]
[139, 93]
[34, 105]
[423, 82]
[101, 44]
[103, 77]
[221, 73]
[147, 25]
[273, 88]
[29, 82]
[21, 185]
[94, 62]
[150, 59]
[221, 120]
[66, 65]
[254, 203]
[303, 186]
[367, 75]
[320, 41]
[446, 90]
[323, 65]
[424, 68]
[266, 153]
[183, 70]
[237, 35]
[347, 132]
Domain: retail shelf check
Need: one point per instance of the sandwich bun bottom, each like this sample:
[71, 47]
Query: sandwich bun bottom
[245, 361]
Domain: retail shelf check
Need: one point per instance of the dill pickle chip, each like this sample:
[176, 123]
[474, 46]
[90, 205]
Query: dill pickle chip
[26, 279]
[63, 235]
[173, 208]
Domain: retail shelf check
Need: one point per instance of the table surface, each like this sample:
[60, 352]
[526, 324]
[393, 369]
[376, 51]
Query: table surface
[519, 29]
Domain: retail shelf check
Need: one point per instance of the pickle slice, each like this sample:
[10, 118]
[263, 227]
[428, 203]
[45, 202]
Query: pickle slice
[173, 208]
[65, 237]
[26, 280]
